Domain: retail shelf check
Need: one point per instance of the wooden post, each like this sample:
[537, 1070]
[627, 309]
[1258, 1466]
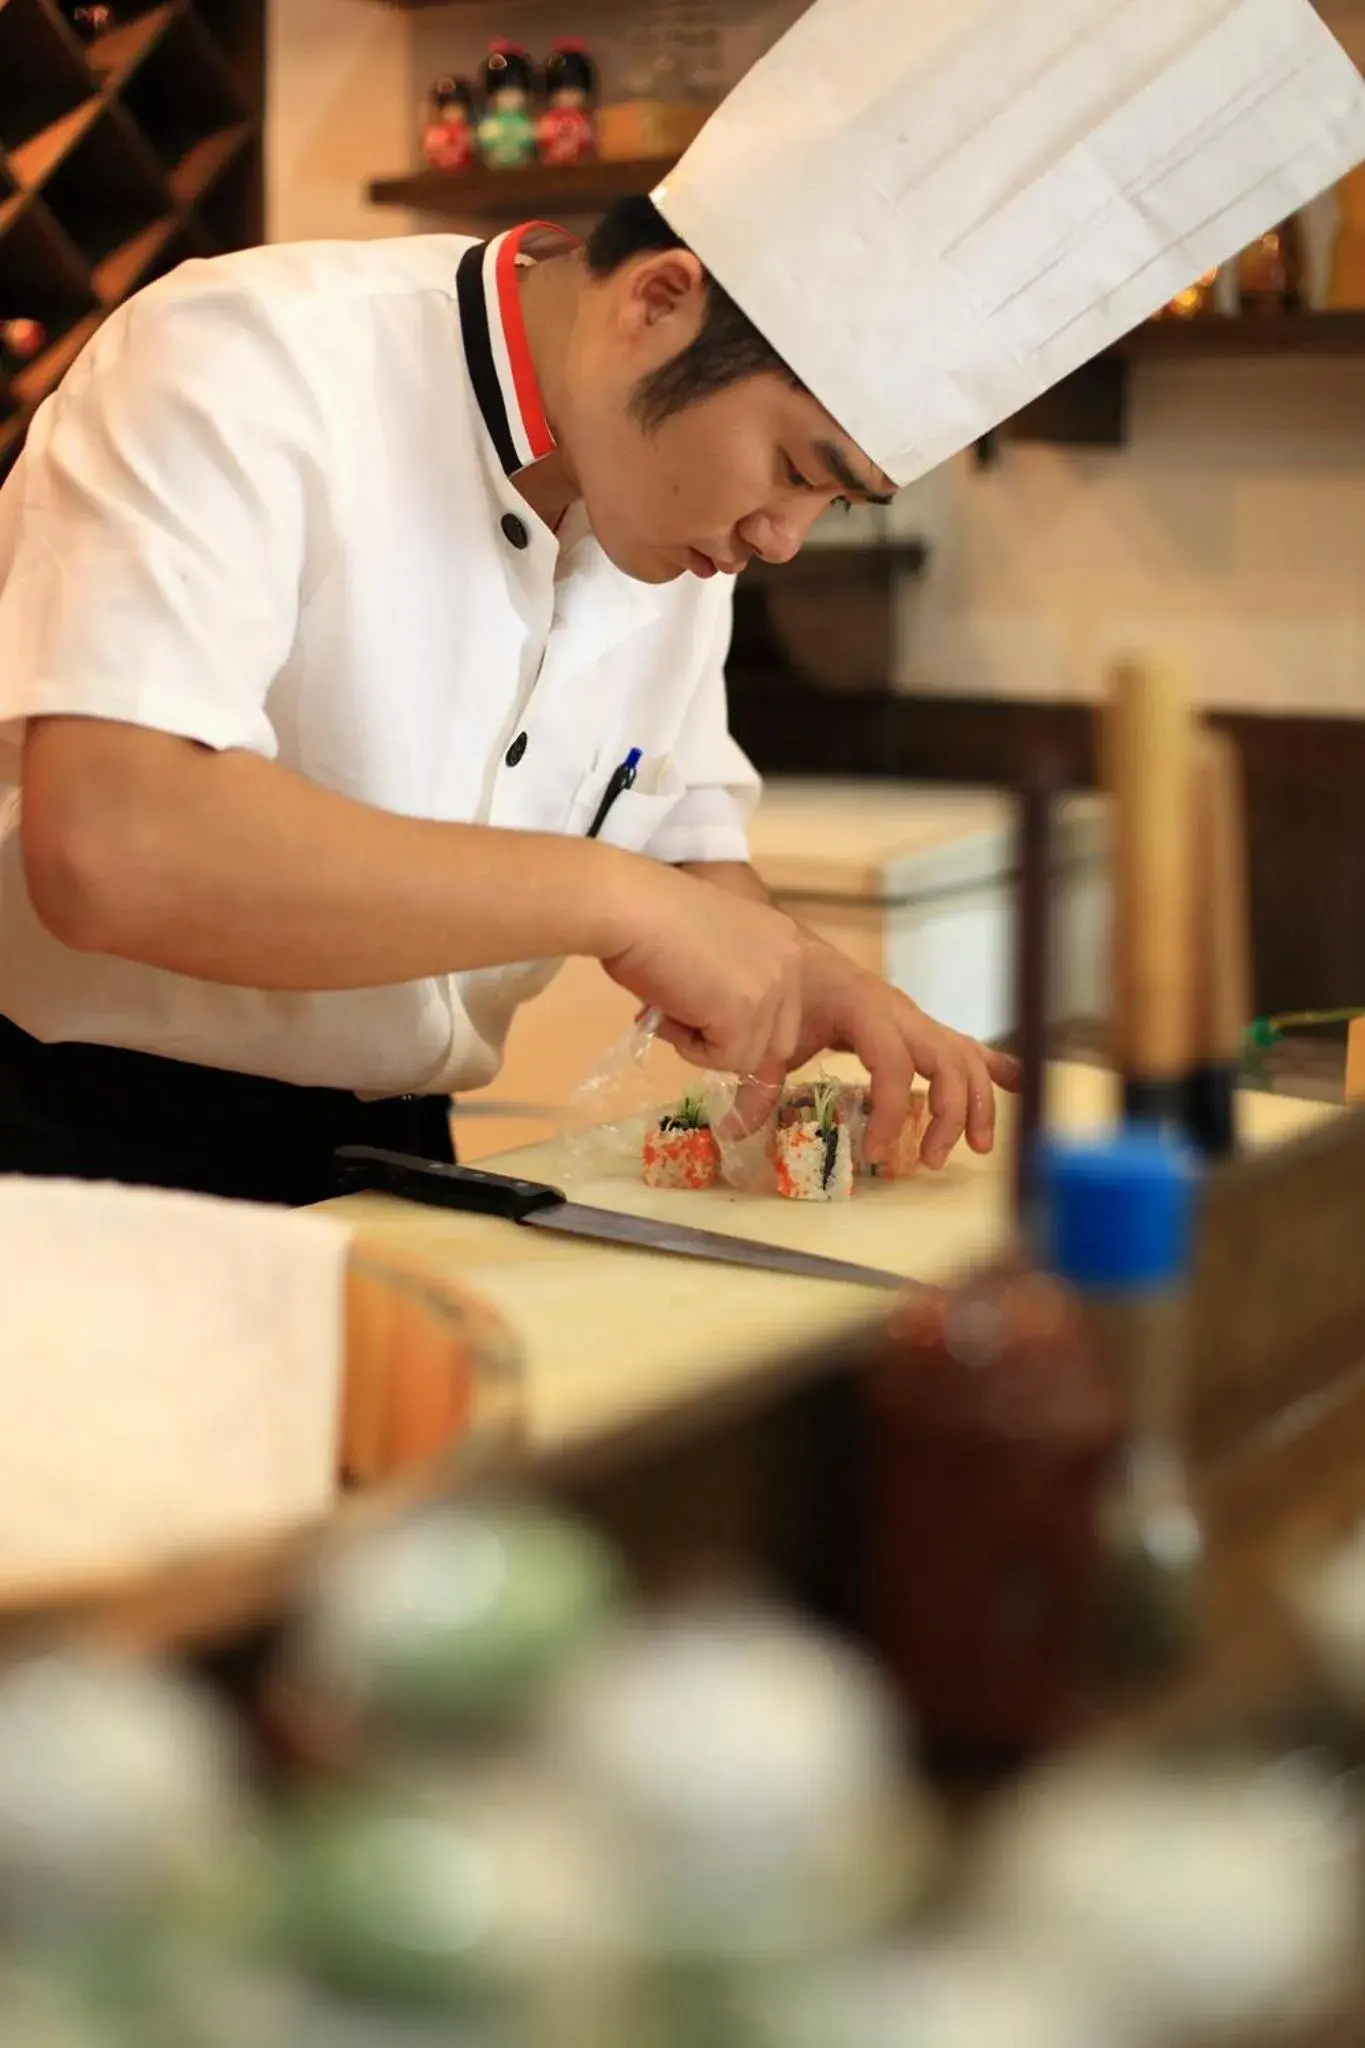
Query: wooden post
[1355, 1061]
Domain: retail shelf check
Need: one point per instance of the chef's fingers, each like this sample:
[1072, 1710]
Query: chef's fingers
[980, 1100]
[785, 1031]
[890, 1064]
[1003, 1070]
[949, 1091]
[686, 1040]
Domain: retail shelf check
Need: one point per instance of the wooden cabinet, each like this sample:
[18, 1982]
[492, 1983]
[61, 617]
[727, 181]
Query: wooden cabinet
[119, 157]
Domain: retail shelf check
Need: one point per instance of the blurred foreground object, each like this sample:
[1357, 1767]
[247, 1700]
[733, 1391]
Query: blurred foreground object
[1120, 1231]
[1328, 1601]
[990, 1426]
[1223, 1902]
[121, 1788]
[449, 1621]
[1147, 734]
[964, 1992]
[173, 1370]
[1222, 943]
[754, 1770]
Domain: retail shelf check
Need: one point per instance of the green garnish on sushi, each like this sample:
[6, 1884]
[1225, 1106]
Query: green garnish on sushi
[690, 1115]
[826, 1099]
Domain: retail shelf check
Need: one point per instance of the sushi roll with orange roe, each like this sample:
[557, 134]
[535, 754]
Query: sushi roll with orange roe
[814, 1145]
[681, 1149]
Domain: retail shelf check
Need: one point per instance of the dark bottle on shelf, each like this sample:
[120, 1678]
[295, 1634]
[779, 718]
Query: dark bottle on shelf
[990, 1430]
[1270, 272]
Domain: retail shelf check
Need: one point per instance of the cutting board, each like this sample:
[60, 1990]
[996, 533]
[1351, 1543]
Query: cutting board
[614, 1336]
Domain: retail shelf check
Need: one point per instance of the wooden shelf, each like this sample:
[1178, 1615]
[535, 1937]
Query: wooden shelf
[115, 57]
[1280, 334]
[1090, 409]
[43, 73]
[36, 159]
[479, 194]
[123, 267]
[204, 162]
[119, 159]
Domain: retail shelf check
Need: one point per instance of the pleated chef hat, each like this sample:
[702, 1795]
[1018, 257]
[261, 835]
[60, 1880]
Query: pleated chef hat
[935, 209]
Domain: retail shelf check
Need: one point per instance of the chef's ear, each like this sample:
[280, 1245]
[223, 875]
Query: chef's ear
[668, 286]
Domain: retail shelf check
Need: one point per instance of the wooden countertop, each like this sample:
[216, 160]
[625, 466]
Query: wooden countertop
[614, 1337]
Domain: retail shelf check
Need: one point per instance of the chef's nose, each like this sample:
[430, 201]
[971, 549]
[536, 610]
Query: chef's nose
[779, 536]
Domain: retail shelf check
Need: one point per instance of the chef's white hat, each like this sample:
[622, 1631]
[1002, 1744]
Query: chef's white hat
[935, 209]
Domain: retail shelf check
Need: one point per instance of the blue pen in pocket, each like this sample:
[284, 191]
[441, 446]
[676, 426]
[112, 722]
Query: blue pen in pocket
[623, 778]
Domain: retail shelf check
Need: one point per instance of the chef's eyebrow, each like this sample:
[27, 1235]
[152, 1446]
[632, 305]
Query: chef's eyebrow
[843, 473]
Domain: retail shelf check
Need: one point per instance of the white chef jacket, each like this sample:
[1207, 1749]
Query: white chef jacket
[267, 509]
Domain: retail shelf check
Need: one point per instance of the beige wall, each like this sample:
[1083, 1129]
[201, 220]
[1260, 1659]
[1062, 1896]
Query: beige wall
[1232, 527]
[340, 108]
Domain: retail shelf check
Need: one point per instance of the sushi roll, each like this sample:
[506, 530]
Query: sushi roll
[814, 1145]
[903, 1159]
[681, 1149]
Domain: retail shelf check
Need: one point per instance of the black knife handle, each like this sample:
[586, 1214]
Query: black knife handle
[364, 1169]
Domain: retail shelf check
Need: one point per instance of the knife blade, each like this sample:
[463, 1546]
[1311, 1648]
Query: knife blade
[365, 1169]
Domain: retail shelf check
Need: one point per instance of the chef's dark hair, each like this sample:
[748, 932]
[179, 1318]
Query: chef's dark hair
[728, 347]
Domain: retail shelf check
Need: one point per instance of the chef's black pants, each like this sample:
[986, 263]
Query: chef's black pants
[94, 1112]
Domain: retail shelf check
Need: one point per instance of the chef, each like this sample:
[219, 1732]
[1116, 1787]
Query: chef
[364, 609]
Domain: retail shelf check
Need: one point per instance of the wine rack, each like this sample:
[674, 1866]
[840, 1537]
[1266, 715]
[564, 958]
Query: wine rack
[119, 157]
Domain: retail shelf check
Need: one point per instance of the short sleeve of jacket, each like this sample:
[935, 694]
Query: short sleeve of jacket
[710, 821]
[160, 531]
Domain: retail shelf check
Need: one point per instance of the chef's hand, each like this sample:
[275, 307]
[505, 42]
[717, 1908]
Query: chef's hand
[846, 1009]
[726, 973]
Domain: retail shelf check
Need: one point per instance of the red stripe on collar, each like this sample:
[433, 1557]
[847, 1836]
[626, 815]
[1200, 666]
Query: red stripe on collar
[523, 400]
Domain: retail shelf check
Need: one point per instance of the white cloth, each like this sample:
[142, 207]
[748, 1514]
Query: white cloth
[936, 209]
[263, 511]
[170, 1375]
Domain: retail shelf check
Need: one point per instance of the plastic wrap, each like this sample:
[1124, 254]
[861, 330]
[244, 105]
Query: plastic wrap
[636, 1086]
[615, 1108]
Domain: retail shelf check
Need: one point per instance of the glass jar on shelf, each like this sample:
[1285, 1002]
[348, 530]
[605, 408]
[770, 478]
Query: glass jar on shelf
[674, 51]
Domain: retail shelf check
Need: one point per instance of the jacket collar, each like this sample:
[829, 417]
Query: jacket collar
[498, 352]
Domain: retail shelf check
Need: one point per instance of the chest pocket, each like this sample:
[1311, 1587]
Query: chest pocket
[633, 819]
[637, 813]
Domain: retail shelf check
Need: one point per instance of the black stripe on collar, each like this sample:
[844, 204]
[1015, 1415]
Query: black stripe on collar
[478, 350]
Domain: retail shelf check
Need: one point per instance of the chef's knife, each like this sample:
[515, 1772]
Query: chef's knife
[364, 1169]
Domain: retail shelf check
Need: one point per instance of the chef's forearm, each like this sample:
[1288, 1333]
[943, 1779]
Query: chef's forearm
[234, 870]
[735, 875]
